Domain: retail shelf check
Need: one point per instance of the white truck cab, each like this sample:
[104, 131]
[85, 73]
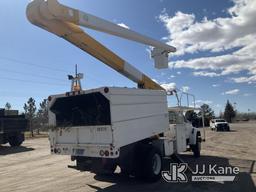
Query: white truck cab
[187, 136]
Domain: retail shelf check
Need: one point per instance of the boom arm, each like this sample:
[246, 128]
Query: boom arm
[64, 22]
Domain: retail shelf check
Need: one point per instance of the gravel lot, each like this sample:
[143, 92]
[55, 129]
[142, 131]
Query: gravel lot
[31, 168]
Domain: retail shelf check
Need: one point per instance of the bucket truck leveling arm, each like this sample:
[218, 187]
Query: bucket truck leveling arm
[64, 22]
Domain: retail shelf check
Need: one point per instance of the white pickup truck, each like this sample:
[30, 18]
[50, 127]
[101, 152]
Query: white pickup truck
[219, 125]
[132, 128]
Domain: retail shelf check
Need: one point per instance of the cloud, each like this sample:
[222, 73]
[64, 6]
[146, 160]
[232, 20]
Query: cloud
[189, 36]
[218, 105]
[215, 85]
[123, 25]
[199, 103]
[169, 86]
[231, 92]
[172, 86]
[249, 80]
[171, 77]
[205, 74]
[232, 37]
[178, 23]
[247, 94]
[225, 64]
[203, 102]
[185, 89]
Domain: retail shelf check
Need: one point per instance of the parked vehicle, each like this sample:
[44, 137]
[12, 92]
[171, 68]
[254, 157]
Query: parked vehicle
[131, 128]
[12, 127]
[219, 125]
[109, 126]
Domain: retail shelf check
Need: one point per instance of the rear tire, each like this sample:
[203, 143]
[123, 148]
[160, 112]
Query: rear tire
[16, 140]
[125, 172]
[153, 165]
[148, 164]
[104, 167]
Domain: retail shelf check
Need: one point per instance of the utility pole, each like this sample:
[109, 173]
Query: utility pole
[76, 81]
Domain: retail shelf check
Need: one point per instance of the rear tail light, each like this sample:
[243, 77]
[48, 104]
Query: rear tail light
[106, 153]
[106, 90]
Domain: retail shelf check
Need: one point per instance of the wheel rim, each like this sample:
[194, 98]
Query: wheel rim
[156, 164]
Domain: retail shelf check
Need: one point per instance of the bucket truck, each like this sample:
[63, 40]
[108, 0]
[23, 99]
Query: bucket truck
[107, 127]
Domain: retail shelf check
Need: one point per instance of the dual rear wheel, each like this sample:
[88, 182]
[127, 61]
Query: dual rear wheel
[153, 165]
[147, 164]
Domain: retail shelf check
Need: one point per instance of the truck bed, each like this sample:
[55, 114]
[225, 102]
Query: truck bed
[13, 124]
[134, 114]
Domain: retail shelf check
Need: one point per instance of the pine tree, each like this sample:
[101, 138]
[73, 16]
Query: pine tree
[42, 114]
[8, 106]
[229, 113]
[30, 112]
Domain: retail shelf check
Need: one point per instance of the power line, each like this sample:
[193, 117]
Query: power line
[32, 64]
[32, 82]
[4, 93]
[45, 67]
[12, 96]
[31, 74]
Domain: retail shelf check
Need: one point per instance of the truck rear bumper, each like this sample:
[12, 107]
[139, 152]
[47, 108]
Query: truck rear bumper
[85, 150]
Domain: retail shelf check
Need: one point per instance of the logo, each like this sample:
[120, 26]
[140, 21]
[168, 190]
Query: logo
[176, 173]
[202, 173]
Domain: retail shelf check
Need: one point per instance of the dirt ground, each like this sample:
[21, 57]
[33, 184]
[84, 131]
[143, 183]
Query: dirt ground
[31, 167]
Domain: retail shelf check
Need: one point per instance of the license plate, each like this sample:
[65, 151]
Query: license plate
[79, 151]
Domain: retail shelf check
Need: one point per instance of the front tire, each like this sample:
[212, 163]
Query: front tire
[196, 149]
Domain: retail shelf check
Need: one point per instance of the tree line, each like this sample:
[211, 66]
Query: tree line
[230, 115]
[37, 118]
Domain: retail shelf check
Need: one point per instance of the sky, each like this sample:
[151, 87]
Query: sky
[215, 58]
